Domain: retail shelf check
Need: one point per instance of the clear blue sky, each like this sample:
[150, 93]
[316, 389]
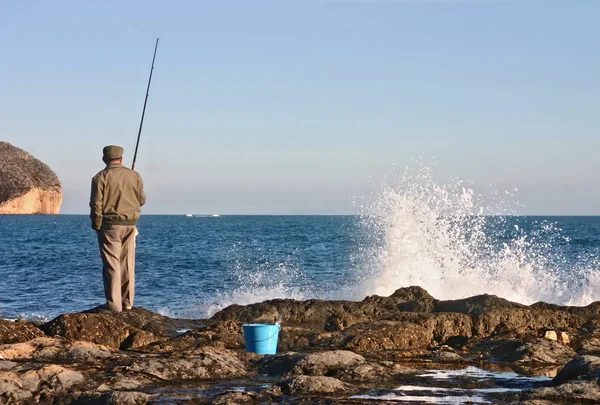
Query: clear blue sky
[299, 106]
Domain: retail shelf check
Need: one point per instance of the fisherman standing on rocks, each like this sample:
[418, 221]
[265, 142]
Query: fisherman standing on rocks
[115, 201]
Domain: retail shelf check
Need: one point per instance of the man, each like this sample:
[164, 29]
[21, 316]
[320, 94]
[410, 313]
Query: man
[115, 201]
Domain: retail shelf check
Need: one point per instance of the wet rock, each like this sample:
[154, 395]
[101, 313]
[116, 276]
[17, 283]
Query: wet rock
[129, 398]
[227, 334]
[190, 340]
[110, 398]
[588, 339]
[475, 306]
[415, 299]
[204, 363]
[375, 372]
[138, 340]
[580, 367]
[103, 329]
[234, 398]
[545, 351]
[338, 322]
[446, 357]
[329, 315]
[128, 380]
[457, 342]
[588, 312]
[441, 326]
[319, 363]
[295, 338]
[118, 398]
[311, 312]
[408, 299]
[128, 329]
[382, 335]
[515, 350]
[537, 321]
[18, 331]
[311, 385]
[578, 392]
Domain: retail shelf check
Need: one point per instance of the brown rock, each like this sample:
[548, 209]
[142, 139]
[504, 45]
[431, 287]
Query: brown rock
[47, 381]
[296, 338]
[318, 363]
[580, 367]
[476, 305]
[109, 398]
[537, 350]
[59, 350]
[139, 339]
[234, 398]
[382, 335]
[335, 314]
[537, 321]
[204, 363]
[440, 325]
[227, 334]
[101, 329]
[577, 392]
[11, 389]
[125, 330]
[27, 186]
[311, 385]
[19, 331]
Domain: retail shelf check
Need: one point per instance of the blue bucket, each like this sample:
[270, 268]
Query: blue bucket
[261, 338]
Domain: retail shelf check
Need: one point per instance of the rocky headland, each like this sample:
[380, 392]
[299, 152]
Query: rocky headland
[27, 185]
[330, 352]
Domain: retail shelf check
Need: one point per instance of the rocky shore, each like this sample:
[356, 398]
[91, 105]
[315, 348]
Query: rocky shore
[330, 352]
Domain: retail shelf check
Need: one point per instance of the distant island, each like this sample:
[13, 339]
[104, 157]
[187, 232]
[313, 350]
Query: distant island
[27, 185]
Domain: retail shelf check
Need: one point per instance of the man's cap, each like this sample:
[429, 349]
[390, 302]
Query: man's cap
[111, 152]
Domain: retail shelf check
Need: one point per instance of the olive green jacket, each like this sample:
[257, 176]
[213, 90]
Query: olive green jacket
[116, 198]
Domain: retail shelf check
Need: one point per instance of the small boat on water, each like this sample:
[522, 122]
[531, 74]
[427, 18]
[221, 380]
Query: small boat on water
[188, 215]
[215, 215]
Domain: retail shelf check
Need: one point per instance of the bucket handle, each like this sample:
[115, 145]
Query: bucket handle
[269, 338]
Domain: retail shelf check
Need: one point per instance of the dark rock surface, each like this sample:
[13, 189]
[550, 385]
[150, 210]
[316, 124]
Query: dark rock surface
[586, 367]
[311, 385]
[17, 332]
[125, 330]
[328, 351]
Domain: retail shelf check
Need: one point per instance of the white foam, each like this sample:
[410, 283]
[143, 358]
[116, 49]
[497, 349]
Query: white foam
[256, 283]
[437, 236]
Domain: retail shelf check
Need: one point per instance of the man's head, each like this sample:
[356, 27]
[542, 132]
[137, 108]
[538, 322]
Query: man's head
[112, 154]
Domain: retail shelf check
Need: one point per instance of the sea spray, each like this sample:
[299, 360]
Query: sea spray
[453, 238]
[254, 282]
[441, 236]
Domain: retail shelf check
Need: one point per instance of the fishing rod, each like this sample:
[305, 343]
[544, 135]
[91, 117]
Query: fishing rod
[144, 109]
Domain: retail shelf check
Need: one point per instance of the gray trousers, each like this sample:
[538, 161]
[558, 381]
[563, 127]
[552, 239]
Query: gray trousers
[117, 249]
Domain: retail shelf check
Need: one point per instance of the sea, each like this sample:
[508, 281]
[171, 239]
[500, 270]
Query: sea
[416, 231]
